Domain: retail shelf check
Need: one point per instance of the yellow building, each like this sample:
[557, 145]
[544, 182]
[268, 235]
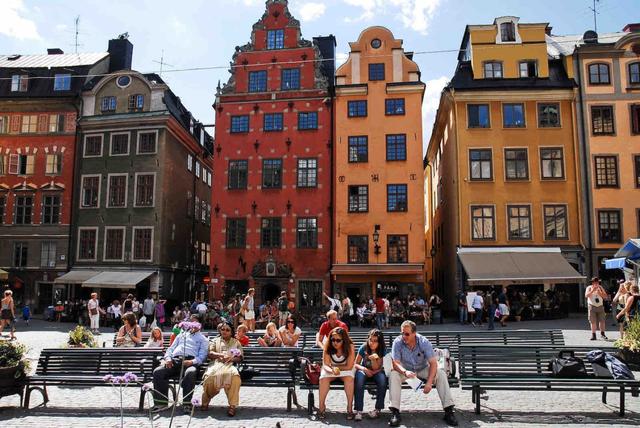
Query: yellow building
[502, 166]
[378, 188]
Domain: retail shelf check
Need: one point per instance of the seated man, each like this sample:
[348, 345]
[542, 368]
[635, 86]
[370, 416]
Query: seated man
[413, 357]
[326, 327]
[189, 349]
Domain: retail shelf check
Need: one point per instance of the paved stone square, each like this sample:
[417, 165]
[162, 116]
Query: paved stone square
[99, 407]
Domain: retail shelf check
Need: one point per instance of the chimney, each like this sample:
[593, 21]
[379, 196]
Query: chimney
[54, 51]
[120, 53]
[547, 30]
[632, 28]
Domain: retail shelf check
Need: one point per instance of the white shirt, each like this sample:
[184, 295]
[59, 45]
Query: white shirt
[478, 303]
[201, 308]
[284, 332]
[115, 310]
[93, 304]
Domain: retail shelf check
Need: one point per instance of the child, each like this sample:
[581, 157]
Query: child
[241, 335]
[26, 314]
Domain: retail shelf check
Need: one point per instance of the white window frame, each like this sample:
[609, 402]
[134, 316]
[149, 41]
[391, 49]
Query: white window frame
[104, 245]
[135, 190]
[17, 83]
[205, 172]
[209, 179]
[138, 142]
[62, 76]
[82, 177]
[126, 189]
[133, 243]
[516, 29]
[84, 146]
[189, 162]
[197, 168]
[35, 126]
[128, 134]
[95, 249]
[46, 164]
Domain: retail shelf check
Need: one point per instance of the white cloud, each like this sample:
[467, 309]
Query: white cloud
[61, 27]
[312, 11]
[430, 106]
[341, 58]
[12, 24]
[414, 14]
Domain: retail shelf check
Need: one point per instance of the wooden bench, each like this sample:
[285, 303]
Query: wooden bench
[524, 368]
[87, 368]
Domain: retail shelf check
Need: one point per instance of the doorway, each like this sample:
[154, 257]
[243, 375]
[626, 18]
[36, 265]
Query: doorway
[270, 291]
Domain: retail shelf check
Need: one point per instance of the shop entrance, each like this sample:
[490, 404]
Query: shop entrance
[270, 291]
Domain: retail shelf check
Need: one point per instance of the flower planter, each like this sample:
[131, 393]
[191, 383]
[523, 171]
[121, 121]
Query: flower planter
[8, 376]
[632, 358]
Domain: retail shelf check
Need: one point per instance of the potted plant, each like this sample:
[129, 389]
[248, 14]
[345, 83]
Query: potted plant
[81, 337]
[629, 345]
[13, 364]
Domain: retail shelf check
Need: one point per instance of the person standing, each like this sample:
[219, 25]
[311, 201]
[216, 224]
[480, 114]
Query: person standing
[249, 310]
[462, 307]
[503, 307]
[94, 310]
[595, 296]
[115, 311]
[380, 312]
[478, 305]
[347, 311]
[435, 302]
[283, 308]
[632, 305]
[619, 301]
[8, 313]
[491, 302]
[149, 310]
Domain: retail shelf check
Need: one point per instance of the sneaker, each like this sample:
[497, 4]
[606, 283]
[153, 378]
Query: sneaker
[395, 417]
[604, 336]
[593, 336]
[374, 414]
[358, 417]
[450, 418]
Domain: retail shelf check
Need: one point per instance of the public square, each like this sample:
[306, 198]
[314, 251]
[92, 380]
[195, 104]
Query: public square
[98, 407]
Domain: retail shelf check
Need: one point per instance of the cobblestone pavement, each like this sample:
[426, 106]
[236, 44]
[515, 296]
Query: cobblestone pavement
[99, 407]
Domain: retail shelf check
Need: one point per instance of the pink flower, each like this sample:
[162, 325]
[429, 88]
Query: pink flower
[196, 401]
[235, 352]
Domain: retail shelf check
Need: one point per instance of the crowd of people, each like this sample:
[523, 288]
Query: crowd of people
[624, 305]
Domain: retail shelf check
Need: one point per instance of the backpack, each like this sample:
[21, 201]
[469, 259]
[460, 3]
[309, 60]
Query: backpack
[283, 304]
[445, 361]
[567, 365]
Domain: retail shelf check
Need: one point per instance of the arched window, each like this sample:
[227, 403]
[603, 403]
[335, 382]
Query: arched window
[599, 74]
[634, 73]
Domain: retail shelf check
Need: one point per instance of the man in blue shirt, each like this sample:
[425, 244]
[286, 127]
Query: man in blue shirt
[413, 357]
[189, 350]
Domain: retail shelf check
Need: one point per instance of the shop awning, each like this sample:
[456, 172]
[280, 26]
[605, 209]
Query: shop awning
[617, 263]
[122, 280]
[517, 266]
[630, 250]
[76, 276]
[4, 274]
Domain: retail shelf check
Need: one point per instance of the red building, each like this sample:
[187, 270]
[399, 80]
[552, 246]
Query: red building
[271, 227]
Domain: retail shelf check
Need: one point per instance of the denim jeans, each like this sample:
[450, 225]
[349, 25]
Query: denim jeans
[491, 316]
[462, 314]
[478, 317]
[380, 320]
[381, 389]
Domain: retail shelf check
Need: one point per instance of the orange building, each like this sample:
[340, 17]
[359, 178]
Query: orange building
[378, 187]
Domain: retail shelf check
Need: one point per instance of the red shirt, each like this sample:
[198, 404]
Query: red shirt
[379, 305]
[325, 328]
[244, 340]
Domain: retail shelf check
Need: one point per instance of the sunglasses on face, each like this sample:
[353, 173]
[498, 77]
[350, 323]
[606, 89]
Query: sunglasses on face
[336, 340]
[290, 322]
[406, 334]
[225, 329]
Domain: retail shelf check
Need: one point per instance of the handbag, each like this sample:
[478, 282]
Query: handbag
[567, 365]
[247, 372]
[93, 311]
[311, 371]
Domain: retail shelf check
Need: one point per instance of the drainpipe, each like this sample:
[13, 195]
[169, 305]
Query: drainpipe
[332, 243]
[75, 187]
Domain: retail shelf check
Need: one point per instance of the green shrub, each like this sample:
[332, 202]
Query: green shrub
[631, 340]
[81, 337]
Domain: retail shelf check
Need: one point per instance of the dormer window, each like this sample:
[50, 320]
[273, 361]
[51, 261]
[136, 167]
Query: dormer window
[62, 82]
[19, 83]
[508, 32]
[275, 39]
[528, 69]
[492, 70]
[136, 102]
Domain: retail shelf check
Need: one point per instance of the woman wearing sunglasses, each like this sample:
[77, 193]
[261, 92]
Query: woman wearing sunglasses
[290, 333]
[338, 361]
[369, 366]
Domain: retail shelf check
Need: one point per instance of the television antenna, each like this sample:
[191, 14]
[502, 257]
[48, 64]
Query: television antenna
[162, 63]
[594, 9]
[77, 32]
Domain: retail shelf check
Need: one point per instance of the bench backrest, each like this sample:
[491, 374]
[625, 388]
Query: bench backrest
[166, 337]
[271, 362]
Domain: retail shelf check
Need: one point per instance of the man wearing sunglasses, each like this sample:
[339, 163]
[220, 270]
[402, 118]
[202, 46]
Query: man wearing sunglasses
[413, 357]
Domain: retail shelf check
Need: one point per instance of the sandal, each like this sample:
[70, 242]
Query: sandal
[231, 411]
[321, 415]
[350, 416]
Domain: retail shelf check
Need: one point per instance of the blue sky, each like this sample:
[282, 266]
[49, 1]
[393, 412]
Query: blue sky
[202, 33]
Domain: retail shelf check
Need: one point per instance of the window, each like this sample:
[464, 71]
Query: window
[90, 191]
[53, 164]
[508, 32]
[117, 191]
[307, 120]
[142, 243]
[272, 173]
[136, 102]
[552, 163]
[548, 115]
[376, 71]
[119, 144]
[606, 171]
[492, 70]
[307, 233]
[358, 249]
[358, 199]
[87, 244]
[108, 104]
[357, 108]
[478, 116]
[516, 164]
[48, 254]
[609, 226]
[528, 69]
[555, 222]
[145, 186]
[396, 147]
[236, 232]
[275, 39]
[307, 172]
[238, 173]
[21, 164]
[29, 123]
[147, 142]
[62, 82]
[3, 208]
[636, 163]
[4, 124]
[23, 209]
[114, 243]
[599, 74]
[480, 165]
[483, 222]
[394, 107]
[92, 145]
[19, 83]
[273, 122]
[358, 148]
[290, 79]
[4, 167]
[634, 73]
[189, 162]
[56, 123]
[51, 209]
[239, 124]
[519, 221]
[397, 249]
[635, 119]
[270, 234]
[602, 120]
[20, 253]
[258, 81]
[396, 197]
[513, 115]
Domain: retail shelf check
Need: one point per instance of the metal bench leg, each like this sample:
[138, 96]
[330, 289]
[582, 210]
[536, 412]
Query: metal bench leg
[477, 392]
[604, 395]
[310, 402]
[622, 400]
[141, 403]
[289, 399]
[27, 397]
[294, 396]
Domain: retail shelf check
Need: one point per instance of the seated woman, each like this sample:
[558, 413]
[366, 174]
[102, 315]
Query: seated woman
[130, 334]
[155, 339]
[290, 332]
[224, 351]
[368, 365]
[338, 361]
[241, 335]
[271, 338]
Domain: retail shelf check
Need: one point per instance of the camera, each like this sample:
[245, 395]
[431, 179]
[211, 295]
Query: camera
[596, 300]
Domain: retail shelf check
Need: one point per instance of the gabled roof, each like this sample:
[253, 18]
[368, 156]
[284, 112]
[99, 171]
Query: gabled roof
[54, 60]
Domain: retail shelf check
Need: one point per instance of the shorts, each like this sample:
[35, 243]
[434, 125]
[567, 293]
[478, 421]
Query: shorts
[343, 373]
[6, 314]
[504, 309]
[596, 314]
[249, 315]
